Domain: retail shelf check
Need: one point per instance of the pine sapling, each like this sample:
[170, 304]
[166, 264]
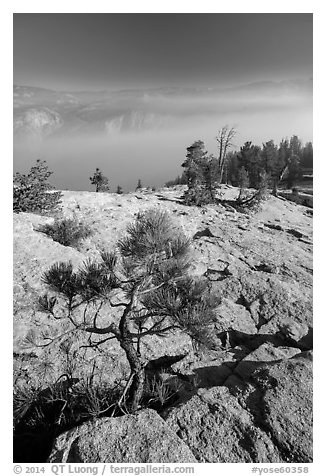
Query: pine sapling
[147, 282]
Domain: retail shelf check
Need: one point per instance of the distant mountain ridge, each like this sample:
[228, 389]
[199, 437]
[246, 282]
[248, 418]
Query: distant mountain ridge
[43, 112]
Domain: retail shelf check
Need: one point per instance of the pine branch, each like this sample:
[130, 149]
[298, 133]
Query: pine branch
[111, 329]
[97, 313]
[151, 329]
[158, 332]
[97, 344]
[54, 339]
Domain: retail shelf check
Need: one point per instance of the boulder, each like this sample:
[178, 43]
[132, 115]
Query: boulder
[139, 438]
[270, 301]
[231, 315]
[217, 429]
[300, 335]
[285, 410]
[213, 370]
[258, 358]
[265, 414]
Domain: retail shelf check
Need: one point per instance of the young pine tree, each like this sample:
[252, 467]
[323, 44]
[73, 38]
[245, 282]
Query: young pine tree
[202, 174]
[196, 155]
[156, 295]
[31, 191]
[100, 181]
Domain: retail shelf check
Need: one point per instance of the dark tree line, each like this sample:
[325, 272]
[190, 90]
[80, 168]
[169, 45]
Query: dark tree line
[252, 166]
[285, 162]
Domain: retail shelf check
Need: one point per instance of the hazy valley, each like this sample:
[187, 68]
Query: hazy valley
[136, 128]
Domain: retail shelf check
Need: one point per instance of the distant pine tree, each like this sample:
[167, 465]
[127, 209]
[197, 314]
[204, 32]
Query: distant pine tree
[100, 181]
[139, 185]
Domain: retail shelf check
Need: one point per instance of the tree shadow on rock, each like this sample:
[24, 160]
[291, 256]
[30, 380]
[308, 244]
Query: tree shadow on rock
[232, 338]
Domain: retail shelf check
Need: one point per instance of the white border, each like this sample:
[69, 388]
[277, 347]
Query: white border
[169, 6]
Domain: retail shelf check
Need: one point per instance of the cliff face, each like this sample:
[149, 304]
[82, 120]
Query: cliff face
[249, 400]
[37, 122]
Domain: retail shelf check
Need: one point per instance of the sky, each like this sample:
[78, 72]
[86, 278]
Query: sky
[116, 51]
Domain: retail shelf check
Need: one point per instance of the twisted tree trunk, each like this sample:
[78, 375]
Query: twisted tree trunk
[137, 370]
[137, 373]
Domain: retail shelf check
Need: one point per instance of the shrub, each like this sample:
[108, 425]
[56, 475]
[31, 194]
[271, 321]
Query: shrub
[67, 232]
[159, 393]
[199, 196]
[252, 203]
[32, 192]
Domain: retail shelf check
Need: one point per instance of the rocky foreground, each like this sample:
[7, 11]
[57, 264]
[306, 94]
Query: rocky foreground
[250, 399]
